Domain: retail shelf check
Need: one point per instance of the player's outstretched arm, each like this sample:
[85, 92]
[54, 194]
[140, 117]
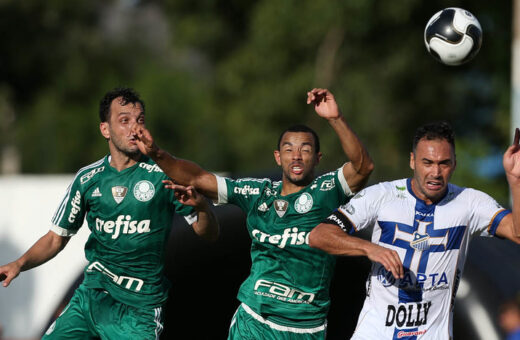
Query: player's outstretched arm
[182, 171]
[509, 227]
[331, 239]
[207, 225]
[42, 251]
[356, 172]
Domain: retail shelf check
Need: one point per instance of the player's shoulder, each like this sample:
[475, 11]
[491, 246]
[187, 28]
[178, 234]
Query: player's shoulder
[88, 172]
[326, 176]
[384, 192]
[464, 194]
[396, 187]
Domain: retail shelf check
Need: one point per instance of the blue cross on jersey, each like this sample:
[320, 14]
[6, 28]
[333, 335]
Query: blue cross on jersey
[419, 240]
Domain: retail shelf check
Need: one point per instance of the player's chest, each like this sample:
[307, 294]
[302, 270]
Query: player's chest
[303, 211]
[112, 194]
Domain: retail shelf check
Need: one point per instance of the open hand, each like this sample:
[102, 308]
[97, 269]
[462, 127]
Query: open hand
[187, 195]
[324, 103]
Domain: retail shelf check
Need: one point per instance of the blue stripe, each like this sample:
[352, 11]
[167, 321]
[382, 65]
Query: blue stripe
[496, 221]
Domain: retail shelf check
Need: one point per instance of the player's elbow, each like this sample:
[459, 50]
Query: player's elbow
[208, 231]
[366, 169]
[316, 237]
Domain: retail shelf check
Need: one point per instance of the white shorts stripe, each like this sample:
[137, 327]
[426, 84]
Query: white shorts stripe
[283, 328]
[157, 319]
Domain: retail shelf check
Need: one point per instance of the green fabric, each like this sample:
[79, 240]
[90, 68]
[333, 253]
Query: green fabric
[245, 326]
[288, 278]
[129, 214]
[94, 313]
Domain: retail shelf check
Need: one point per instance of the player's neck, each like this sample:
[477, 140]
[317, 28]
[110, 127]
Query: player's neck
[289, 187]
[121, 161]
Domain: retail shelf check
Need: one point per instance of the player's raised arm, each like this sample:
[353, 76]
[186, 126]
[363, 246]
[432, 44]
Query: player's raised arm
[509, 227]
[42, 251]
[333, 240]
[356, 172]
[182, 171]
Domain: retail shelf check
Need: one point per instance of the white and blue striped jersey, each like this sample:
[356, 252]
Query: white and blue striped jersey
[432, 242]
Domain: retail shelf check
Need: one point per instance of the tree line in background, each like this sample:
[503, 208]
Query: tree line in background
[222, 79]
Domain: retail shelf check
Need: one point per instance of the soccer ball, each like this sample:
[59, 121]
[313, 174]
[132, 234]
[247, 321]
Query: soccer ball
[453, 36]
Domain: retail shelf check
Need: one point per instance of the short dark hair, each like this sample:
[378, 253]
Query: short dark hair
[433, 131]
[127, 95]
[301, 128]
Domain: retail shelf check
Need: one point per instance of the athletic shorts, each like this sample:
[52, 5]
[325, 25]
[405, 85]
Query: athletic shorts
[93, 313]
[248, 325]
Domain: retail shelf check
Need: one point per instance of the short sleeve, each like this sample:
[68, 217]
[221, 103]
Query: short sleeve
[70, 214]
[486, 213]
[243, 192]
[343, 182]
[188, 212]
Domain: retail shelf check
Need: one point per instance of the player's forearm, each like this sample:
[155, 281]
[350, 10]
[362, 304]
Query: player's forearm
[514, 186]
[358, 155]
[331, 239]
[42, 251]
[207, 225]
[186, 173]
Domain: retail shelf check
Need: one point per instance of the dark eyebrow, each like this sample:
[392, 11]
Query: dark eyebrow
[443, 161]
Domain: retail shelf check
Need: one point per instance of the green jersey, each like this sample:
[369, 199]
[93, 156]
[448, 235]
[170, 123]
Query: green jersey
[129, 214]
[288, 278]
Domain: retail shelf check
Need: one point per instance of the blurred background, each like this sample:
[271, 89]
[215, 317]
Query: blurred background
[221, 80]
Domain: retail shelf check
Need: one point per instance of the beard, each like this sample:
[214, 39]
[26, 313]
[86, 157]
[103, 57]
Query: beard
[301, 182]
[120, 146]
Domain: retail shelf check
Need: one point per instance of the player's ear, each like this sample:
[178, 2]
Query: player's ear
[318, 157]
[412, 161]
[277, 157]
[103, 127]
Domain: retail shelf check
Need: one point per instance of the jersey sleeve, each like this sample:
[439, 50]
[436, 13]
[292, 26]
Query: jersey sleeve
[188, 212]
[486, 213]
[70, 214]
[360, 212]
[242, 192]
[343, 182]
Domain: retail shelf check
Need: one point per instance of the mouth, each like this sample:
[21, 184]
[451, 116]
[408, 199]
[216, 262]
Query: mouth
[132, 141]
[297, 169]
[434, 185]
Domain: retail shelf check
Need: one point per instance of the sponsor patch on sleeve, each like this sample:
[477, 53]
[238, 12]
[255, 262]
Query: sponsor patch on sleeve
[337, 218]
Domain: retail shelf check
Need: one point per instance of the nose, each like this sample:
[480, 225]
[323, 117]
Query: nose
[297, 154]
[436, 170]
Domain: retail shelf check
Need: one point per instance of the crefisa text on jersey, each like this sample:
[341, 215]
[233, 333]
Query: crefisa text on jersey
[150, 167]
[293, 235]
[75, 204]
[247, 190]
[123, 221]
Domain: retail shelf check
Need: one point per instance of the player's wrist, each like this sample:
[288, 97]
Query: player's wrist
[336, 119]
[155, 152]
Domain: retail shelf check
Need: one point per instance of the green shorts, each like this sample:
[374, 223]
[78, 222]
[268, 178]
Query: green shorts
[93, 313]
[248, 325]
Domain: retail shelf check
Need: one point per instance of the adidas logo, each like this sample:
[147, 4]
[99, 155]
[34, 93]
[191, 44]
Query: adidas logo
[96, 193]
[263, 207]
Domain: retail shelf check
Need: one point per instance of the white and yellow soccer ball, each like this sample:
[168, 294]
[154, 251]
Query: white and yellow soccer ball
[453, 36]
